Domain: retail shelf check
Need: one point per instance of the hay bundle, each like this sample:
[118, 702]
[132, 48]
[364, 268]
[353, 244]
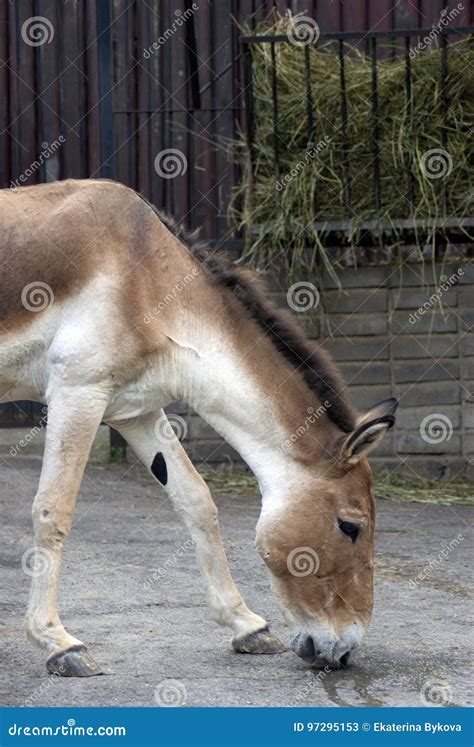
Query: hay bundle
[281, 208]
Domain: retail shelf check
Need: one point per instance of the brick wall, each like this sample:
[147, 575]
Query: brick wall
[385, 348]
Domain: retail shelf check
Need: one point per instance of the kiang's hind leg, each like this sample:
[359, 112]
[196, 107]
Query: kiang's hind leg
[154, 442]
[74, 414]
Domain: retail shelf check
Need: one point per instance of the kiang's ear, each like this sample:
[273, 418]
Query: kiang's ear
[370, 430]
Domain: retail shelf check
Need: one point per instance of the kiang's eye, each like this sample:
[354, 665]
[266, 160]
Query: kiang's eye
[350, 529]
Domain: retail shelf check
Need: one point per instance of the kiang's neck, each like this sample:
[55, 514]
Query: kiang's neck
[245, 393]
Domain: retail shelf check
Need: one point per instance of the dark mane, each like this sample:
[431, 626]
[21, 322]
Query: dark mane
[316, 367]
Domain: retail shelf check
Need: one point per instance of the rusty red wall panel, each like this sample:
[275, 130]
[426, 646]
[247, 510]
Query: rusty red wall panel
[407, 14]
[5, 150]
[52, 89]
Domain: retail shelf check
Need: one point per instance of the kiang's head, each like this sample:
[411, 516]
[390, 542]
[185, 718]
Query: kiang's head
[318, 546]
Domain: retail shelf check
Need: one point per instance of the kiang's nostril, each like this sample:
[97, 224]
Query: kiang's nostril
[345, 658]
[307, 649]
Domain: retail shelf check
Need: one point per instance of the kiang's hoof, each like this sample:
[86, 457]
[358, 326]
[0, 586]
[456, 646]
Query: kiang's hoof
[260, 642]
[73, 662]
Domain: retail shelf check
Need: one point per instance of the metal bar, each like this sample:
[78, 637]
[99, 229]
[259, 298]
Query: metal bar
[18, 123]
[192, 56]
[360, 35]
[63, 170]
[309, 98]
[409, 97]
[444, 110]
[170, 187]
[345, 169]
[105, 73]
[309, 112]
[182, 110]
[38, 104]
[249, 119]
[276, 144]
[149, 147]
[190, 171]
[225, 70]
[376, 128]
[236, 81]
[403, 224]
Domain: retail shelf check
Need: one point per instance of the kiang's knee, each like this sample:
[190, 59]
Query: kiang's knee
[51, 524]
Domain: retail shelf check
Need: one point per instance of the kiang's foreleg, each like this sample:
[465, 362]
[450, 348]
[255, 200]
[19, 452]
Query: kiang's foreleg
[74, 415]
[154, 442]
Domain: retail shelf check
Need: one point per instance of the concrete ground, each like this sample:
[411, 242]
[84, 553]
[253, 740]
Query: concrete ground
[156, 639]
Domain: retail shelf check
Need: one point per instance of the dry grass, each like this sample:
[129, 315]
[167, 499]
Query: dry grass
[227, 479]
[283, 218]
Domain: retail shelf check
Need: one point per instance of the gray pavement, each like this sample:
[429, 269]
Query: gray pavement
[132, 592]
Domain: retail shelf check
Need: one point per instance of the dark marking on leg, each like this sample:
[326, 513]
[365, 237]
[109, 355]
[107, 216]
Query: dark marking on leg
[159, 469]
